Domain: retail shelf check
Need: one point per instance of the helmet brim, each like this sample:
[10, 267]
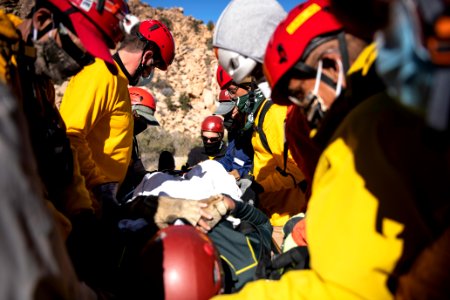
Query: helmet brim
[224, 108]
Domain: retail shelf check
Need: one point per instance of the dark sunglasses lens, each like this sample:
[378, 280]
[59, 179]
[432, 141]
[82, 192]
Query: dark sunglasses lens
[211, 139]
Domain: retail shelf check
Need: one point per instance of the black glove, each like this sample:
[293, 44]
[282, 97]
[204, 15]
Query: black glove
[250, 195]
[295, 259]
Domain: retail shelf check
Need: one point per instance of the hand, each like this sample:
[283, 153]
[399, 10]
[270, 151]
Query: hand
[169, 209]
[217, 207]
[235, 173]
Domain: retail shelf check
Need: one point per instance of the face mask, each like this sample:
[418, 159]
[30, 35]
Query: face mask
[402, 62]
[313, 105]
[137, 77]
[143, 81]
[140, 124]
[53, 62]
[213, 148]
[243, 102]
[246, 102]
[228, 123]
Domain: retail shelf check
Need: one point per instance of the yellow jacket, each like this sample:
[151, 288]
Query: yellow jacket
[96, 108]
[281, 197]
[364, 224]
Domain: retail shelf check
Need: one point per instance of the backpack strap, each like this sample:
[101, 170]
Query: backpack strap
[262, 135]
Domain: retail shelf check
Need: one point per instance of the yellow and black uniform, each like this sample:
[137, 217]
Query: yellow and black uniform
[282, 198]
[97, 110]
[372, 201]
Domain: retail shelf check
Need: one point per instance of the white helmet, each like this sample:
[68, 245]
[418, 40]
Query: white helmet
[129, 21]
[236, 65]
[242, 33]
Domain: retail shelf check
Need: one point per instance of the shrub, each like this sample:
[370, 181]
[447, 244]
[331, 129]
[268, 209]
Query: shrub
[207, 61]
[209, 43]
[155, 139]
[210, 25]
[170, 105]
[185, 102]
[166, 22]
[196, 26]
[161, 84]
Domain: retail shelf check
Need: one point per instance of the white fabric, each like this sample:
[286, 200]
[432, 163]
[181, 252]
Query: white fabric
[245, 26]
[202, 181]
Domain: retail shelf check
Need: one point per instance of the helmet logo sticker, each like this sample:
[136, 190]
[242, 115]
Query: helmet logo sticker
[86, 4]
[282, 54]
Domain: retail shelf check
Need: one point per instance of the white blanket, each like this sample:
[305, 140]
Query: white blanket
[203, 180]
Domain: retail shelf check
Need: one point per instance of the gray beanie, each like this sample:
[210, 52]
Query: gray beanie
[245, 26]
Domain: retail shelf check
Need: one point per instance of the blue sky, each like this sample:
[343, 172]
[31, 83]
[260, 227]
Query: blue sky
[208, 10]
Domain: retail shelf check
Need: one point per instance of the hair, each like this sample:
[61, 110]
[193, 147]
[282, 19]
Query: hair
[166, 161]
[132, 42]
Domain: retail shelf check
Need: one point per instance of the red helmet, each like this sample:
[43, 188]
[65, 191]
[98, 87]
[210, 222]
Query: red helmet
[213, 123]
[97, 26]
[141, 96]
[222, 77]
[158, 33]
[182, 261]
[224, 96]
[291, 38]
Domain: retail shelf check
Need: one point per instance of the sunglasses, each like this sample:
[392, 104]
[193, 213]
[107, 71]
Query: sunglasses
[232, 90]
[211, 139]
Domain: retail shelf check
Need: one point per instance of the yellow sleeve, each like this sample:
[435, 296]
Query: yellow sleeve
[304, 284]
[266, 163]
[77, 196]
[63, 224]
[83, 104]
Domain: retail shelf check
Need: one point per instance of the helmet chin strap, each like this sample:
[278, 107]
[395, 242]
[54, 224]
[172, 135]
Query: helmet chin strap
[134, 80]
[312, 103]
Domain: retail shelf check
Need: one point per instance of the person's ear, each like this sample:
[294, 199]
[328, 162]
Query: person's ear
[148, 54]
[333, 67]
[42, 18]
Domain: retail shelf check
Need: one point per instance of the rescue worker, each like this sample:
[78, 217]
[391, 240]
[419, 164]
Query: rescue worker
[212, 133]
[52, 49]
[238, 159]
[429, 274]
[30, 57]
[98, 113]
[99, 124]
[276, 174]
[143, 106]
[57, 40]
[369, 150]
